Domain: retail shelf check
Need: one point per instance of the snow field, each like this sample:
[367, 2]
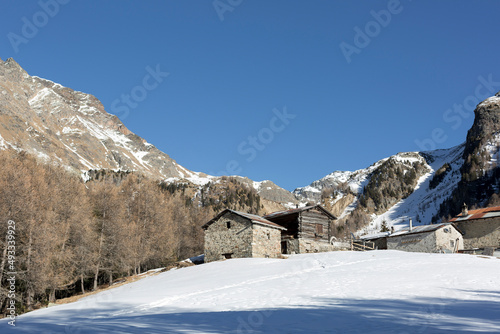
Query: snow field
[337, 292]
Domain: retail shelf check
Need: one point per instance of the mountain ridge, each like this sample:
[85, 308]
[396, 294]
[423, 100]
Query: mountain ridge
[73, 129]
[60, 124]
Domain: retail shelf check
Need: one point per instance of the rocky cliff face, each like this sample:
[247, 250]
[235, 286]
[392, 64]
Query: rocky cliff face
[482, 139]
[486, 123]
[270, 191]
[423, 186]
[72, 128]
[480, 173]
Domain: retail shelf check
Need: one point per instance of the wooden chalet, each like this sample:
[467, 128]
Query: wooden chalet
[308, 229]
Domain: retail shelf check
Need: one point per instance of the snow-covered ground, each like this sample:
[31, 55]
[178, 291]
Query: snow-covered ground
[338, 292]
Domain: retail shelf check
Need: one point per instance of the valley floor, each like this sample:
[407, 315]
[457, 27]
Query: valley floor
[337, 292]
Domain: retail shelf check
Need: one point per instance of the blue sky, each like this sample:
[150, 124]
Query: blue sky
[283, 90]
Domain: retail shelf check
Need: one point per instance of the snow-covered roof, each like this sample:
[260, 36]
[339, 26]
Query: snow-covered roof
[421, 229]
[375, 236]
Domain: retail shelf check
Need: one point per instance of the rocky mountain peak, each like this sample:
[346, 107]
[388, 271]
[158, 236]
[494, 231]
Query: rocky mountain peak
[486, 124]
[60, 124]
[72, 128]
[12, 68]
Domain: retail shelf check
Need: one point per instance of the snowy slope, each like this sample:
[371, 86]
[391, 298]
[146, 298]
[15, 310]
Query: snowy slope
[422, 205]
[338, 292]
[424, 202]
[355, 181]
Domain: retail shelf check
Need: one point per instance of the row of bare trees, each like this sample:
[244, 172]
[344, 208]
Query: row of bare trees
[72, 236]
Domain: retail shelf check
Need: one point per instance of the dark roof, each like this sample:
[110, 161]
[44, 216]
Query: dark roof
[293, 211]
[375, 236]
[253, 218]
[478, 214]
[421, 229]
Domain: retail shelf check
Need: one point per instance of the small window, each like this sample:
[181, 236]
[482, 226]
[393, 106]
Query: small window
[452, 243]
[228, 225]
[319, 229]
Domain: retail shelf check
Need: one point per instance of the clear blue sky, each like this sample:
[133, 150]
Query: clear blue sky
[230, 67]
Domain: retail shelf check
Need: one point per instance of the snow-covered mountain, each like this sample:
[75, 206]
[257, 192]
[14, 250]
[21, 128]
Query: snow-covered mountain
[336, 292]
[60, 125]
[71, 128]
[355, 181]
[442, 180]
[421, 205]
[422, 186]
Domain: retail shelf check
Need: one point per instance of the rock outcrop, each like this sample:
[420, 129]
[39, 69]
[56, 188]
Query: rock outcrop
[72, 128]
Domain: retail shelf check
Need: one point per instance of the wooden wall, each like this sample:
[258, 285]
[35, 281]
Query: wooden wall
[308, 225]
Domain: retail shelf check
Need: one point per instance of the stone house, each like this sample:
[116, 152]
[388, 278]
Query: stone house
[234, 234]
[437, 238]
[308, 229]
[480, 228]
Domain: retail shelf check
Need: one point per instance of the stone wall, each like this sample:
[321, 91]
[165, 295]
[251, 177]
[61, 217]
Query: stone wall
[418, 242]
[301, 246]
[266, 242]
[480, 233]
[443, 239]
[236, 240]
[311, 246]
[446, 238]
[292, 246]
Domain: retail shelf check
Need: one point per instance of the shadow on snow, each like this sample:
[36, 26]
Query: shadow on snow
[421, 315]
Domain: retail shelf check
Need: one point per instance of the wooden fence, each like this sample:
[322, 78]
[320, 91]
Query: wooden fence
[362, 245]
